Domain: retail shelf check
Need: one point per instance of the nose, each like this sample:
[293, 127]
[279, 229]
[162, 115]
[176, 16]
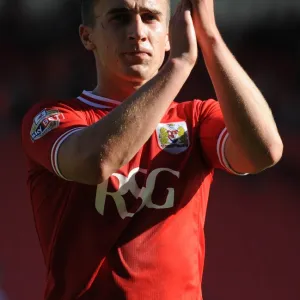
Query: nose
[137, 30]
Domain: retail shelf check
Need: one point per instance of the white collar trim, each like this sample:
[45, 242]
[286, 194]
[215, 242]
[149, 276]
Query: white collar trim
[99, 98]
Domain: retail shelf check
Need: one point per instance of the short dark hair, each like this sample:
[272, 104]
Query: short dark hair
[87, 12]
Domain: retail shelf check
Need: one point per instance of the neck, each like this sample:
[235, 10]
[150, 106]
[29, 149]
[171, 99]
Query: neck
[116, 88]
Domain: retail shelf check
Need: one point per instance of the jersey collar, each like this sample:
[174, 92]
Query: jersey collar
[97, 101]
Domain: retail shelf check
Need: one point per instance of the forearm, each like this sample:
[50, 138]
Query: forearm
[247, 115]
[112, 142]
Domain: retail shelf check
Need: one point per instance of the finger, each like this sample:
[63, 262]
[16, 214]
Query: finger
[182, 14]
[187, 11]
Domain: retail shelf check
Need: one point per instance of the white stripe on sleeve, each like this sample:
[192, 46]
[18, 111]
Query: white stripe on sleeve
[55, 149]
[221, 152]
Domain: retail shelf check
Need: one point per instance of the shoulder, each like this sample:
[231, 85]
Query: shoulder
[41, 108]
[45, 116]
[55, 109]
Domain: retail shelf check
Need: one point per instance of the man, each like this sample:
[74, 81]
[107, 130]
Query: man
[119, 177]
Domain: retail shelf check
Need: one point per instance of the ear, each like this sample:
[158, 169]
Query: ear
[86, 36]
[167, 43]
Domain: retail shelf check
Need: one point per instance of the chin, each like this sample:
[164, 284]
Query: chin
[138, 73]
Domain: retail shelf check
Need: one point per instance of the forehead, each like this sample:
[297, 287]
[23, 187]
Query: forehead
[104, 6]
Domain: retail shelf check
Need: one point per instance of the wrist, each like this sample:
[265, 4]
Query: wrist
[207, 41]
[180, 65]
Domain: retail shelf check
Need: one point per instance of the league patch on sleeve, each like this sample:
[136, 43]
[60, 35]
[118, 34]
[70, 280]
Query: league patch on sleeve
[44, 122]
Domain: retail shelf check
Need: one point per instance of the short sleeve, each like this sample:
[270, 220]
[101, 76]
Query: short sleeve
[213, 134]
[45, 128]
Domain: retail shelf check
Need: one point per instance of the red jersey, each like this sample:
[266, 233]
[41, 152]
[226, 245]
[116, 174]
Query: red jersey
[138, 235]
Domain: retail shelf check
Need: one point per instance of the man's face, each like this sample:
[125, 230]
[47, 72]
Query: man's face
[131, 37]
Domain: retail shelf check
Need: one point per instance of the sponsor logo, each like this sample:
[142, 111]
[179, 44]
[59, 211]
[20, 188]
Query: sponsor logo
[129, 184]
[44, 122]
[173, 137]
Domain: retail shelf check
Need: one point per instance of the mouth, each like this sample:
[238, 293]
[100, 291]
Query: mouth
[137, 57]
[140, 54]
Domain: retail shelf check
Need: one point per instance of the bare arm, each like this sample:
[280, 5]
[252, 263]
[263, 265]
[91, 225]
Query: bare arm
[91, 155]
[254, 143]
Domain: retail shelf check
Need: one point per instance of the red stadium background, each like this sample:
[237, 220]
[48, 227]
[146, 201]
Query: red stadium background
[252, 227]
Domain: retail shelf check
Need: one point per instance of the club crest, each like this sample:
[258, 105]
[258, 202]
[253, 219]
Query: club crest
[173, 137]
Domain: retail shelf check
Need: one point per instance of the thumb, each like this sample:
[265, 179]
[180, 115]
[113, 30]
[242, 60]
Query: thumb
[187, 9]
[187, 5]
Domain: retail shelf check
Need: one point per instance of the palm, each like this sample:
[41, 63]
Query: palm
[182, 33]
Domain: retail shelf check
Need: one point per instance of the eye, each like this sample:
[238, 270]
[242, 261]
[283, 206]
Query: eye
[121, 18]
[149, 17]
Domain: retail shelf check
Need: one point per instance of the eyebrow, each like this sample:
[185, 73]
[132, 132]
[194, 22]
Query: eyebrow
[124, 10]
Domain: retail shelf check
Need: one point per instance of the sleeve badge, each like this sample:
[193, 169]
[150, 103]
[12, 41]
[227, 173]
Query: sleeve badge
[44, 122]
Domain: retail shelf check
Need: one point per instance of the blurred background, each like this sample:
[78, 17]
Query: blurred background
[253, 224]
